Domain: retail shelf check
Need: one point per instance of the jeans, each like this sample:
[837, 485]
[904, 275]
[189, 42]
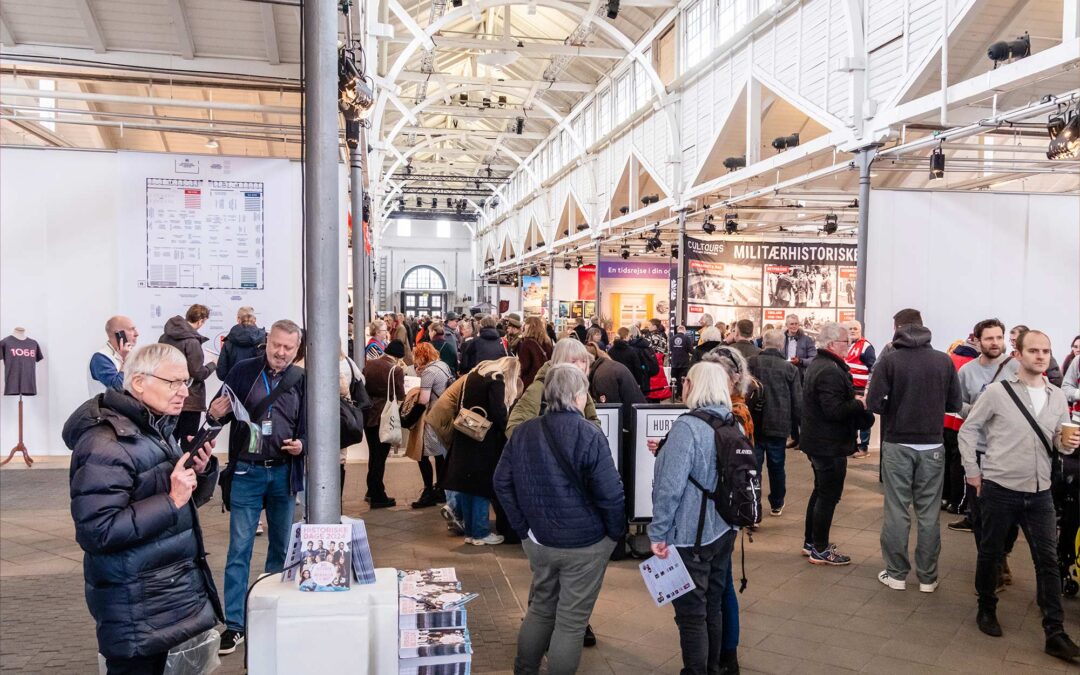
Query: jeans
[912, 478]
[700, 613]
[864, 439]
[377, 454]
[771, 451]
[253, 488]
[730, 608]
[678, 374]
[1001, 509]
[139, 665]
[829, 474]
[475, 514]
[565, 584]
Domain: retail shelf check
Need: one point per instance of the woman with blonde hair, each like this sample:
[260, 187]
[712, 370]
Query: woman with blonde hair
[490, 390]
[378, 337]
[435, 378]
[534, 349]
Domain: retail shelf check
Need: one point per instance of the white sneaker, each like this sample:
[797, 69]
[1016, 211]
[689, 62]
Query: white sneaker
[259, 530]
[490, 540]
[468, 540]
[928, 588]
[895, 584]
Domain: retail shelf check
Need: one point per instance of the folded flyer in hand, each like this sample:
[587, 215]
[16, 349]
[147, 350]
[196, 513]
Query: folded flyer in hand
[666, 578]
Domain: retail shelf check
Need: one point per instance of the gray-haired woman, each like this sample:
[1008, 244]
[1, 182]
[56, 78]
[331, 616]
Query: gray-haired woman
[563, 496]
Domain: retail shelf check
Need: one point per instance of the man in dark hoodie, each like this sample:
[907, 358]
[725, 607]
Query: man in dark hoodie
[630, 356]
[182, 332]
[244, 341]
[912, 389]
[484, 347]
[651, 367]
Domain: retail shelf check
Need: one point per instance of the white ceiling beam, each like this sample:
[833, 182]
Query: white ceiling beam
[478, 133]
[410, 24]
[6, 38]
[146, 100]
[539, 50]
[164, 62]
[269, 26]
[581, 87]
[104, 135]
[36, 129]
[641, 4]
[184, 41]
[509, 112]
[90, 23]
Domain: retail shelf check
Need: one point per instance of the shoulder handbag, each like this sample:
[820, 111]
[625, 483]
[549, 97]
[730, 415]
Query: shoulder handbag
[1055, 460]
[225, 476]
[473, 424]
[390, 420]
[357, 389]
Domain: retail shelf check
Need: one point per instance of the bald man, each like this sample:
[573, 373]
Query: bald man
[107, 364]
[860, 359]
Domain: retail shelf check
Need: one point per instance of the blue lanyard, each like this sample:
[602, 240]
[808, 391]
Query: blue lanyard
[266, 381]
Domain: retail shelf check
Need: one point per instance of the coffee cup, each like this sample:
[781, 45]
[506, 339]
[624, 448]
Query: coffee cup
[1069, 431]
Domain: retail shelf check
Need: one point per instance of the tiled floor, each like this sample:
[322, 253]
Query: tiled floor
[796, 618]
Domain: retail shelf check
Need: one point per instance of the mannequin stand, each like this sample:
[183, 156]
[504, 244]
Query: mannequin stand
[20, 447]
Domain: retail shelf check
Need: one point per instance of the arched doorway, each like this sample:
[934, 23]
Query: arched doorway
[423, 291]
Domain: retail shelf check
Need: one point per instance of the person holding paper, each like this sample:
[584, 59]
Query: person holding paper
[690, 452]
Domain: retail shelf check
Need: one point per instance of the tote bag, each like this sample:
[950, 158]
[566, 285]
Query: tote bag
[390, 420]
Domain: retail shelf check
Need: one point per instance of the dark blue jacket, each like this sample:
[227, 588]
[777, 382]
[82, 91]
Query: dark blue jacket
[148, 586]
[484, 347]
[242, 343]
[537, 494]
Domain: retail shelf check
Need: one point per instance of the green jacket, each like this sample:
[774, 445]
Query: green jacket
[528, 406]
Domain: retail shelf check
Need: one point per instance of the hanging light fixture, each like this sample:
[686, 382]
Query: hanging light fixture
[830, 223]
[1066, 144]
[212, 144]
[937, 163]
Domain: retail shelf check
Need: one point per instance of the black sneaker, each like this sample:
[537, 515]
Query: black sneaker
[440, 496]
[590, 637]
[230, 640]
[988, 623]
[384, 503]
[427, 498]
[962, 525]
[1060, 646]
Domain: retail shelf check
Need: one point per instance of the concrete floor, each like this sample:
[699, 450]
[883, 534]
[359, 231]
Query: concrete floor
[796, 617]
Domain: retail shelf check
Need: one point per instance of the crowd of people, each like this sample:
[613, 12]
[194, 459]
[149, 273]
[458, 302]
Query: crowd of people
[503, 420]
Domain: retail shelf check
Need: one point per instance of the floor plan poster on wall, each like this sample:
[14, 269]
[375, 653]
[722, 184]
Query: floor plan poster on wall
[204, 234]
[765, 281]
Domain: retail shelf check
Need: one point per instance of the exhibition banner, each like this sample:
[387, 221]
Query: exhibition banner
[765, 281]
[534, 293]
[586, 282]
[634, 290]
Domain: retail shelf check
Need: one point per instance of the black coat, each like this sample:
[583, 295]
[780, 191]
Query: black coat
[782, 388]
[631, 357]
[702, 349]
[611, 382]
[180, 334]
[470, 464]
[243, 342]
[484, 347]
[148, 586]
[830, 413]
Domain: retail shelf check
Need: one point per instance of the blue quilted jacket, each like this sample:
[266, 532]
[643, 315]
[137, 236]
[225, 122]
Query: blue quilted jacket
[537, 494]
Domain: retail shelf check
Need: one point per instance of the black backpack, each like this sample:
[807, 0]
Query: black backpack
[737, 497]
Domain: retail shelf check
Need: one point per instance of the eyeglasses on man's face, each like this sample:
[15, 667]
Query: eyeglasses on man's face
[174, 385]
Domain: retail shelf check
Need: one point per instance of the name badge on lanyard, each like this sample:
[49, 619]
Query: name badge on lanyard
[266, 428]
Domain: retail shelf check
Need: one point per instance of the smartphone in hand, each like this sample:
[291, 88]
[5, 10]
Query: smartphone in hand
[207, 433]
[121, 338]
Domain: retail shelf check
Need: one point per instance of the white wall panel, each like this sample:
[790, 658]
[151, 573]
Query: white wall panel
[963, 257]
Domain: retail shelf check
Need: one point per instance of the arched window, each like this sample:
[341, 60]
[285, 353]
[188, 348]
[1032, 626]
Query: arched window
[423, 278]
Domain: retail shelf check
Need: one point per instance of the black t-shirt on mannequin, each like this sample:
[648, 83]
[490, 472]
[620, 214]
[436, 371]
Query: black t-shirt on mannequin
[20, 356]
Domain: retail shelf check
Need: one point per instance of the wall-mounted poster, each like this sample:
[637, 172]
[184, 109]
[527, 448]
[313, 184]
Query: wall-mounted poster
[590, 308]
[534, 293]
[586, 282]
[634, 291]
[564, 309]
[577, 309]
[765, 281]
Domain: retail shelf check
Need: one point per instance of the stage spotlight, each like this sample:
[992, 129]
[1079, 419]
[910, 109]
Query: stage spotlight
[625, 253]
[731, 223]
[624, 210]
[534, 271]
[519, 126]
[449, 203]
[830, 224]
[650, 199]
[455, 3]
[401, 203]
[566, 264]
[674, 251]
[580, 260]
[419, 202]
[937, 163]
[1055, 125]
[781, 143]
[1007, 51]
[732, 163]
[613, 9]
[463, 99]
[1067, 143]
[708, 226]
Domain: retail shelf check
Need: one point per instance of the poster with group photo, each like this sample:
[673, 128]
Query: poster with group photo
[765, 281]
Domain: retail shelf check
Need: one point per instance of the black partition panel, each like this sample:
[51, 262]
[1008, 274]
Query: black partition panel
[651, 421]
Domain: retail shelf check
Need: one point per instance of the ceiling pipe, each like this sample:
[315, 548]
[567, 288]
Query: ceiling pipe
[148, 100]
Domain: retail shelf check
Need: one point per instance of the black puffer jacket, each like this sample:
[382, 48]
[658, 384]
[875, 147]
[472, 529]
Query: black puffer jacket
[180, 334]
[148, 586]
[243, 342]
[782, 388]
[484, 347]
[830, 413]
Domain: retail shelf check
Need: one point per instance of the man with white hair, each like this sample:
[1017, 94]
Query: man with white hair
[781, 387]
[831, 415]
[860, 359]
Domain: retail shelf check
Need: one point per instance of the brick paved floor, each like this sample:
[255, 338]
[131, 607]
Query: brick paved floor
[796, 618]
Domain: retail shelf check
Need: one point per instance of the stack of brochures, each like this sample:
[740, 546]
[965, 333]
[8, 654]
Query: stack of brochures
[433, 632]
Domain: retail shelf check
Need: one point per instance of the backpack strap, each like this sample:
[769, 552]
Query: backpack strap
[706, 494]
[1031, 420]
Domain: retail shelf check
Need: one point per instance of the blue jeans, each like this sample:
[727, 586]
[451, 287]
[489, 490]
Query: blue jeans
[253, 488]
[475, 514]
[771, 451]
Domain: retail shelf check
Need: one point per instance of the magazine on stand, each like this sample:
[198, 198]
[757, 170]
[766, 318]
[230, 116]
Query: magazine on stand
[461, 665]
[437, 574]
[325, 557]
[416, 614]
[363, 565]
[437, 597]
[434, 643]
